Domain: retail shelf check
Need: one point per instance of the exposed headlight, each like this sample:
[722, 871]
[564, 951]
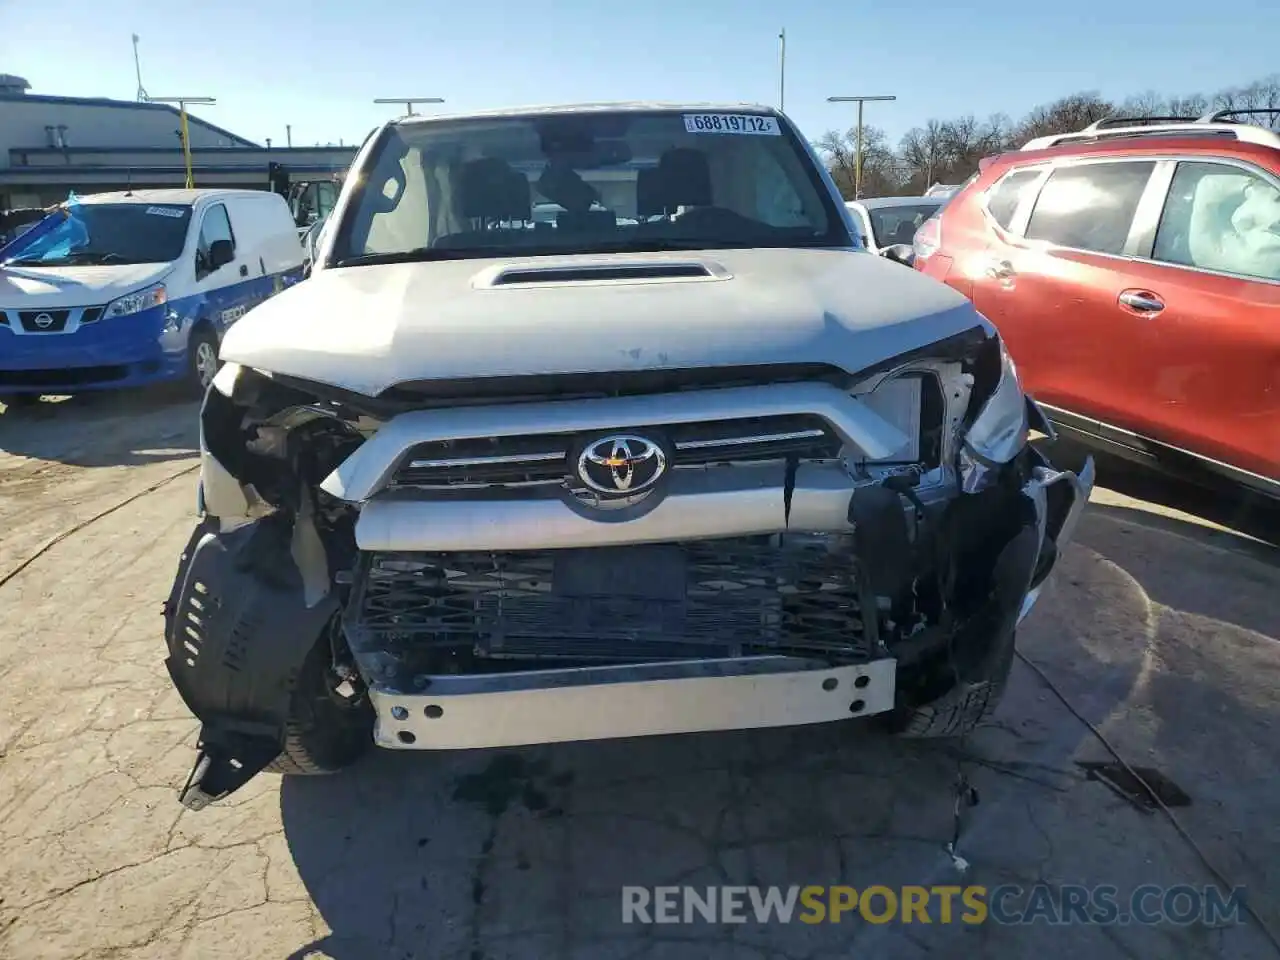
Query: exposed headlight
[152, 296]
[1000, 430]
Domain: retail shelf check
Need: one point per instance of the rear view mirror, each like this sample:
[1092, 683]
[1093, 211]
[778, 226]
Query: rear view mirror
[220, 253]
[899, 253]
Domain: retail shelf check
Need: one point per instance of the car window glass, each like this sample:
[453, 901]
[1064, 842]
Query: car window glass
[597, 181]
[1090, 206]
[777, 202]
[326, 196]
[1221, 217]
[1004, 199]
[215, 226]
[890, 225]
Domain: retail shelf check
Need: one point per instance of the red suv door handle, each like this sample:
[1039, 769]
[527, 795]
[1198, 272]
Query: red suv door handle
[1141, 301]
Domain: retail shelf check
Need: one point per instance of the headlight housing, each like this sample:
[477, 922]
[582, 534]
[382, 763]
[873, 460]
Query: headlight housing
[136, 302]
[1000, 430]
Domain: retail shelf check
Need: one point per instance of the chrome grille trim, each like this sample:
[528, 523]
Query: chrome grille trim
[482, 461]
[759, 438]
[693, 445]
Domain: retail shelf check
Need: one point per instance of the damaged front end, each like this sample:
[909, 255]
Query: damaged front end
[500, 563]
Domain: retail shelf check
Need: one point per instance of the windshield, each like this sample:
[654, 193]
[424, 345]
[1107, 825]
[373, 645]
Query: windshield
[891, 225]
[585, 182]
[107, 233]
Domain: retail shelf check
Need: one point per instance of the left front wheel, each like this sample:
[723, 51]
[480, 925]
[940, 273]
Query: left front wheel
[202, 359]
[324, 731]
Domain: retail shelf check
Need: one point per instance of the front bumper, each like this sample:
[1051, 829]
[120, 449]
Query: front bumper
[442, 711]
[234, 650]
[601, 703]
[104, 354]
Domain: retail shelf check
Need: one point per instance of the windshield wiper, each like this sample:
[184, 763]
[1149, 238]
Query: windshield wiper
[631, 245]
[418, 255]
[96, 256]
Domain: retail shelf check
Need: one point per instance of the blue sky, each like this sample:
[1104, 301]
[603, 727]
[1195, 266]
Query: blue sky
[319, 66]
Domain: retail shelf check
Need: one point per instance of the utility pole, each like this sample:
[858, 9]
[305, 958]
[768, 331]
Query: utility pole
[782, 70]
[137, 69]
[857, 163]
[185, 135]
[288, 135]
[408, 102]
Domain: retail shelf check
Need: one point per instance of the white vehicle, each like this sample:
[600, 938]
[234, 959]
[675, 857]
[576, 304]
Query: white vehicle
[944, 190]
[695, 461]
[138, 287]
[885, 223]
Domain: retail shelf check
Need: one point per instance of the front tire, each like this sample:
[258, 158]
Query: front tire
[325, 731]
[962, 709]
[202, 359]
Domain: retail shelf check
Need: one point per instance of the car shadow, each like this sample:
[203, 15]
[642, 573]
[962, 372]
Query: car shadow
[105, 429]
[523, 853]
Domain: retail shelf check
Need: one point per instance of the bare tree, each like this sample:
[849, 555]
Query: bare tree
[948, 151]
[882, 170]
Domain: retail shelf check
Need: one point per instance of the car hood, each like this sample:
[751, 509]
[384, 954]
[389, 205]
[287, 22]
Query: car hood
[367, 328]
[40, 288]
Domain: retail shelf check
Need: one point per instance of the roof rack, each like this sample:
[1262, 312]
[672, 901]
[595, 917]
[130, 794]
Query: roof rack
[1217, 124]
[1134, 122]
[1217, 116]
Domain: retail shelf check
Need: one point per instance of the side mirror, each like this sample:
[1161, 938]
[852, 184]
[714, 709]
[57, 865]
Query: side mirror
[220, 253]
[899, 253]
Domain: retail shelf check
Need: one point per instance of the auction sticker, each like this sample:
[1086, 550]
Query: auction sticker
[732, 123]
[175, 212]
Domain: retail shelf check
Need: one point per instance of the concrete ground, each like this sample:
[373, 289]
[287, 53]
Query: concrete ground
[1160, 629]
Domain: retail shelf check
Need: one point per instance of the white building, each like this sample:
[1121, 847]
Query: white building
[52, 145]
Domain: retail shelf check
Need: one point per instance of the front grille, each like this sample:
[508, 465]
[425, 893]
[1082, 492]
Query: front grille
[62, 377]
[546, 458]
[796, 595]
[43, 321]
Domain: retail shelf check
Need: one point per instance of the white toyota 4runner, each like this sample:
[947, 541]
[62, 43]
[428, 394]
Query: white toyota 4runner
[683, 457]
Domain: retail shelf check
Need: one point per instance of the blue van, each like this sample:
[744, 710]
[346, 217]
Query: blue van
[127, 289]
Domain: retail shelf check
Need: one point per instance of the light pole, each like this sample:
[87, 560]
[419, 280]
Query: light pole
[182, 117]
[857, 162]
[782, 70]
[408, 102]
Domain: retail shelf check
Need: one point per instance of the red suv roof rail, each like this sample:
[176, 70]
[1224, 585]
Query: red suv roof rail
[1214, 125]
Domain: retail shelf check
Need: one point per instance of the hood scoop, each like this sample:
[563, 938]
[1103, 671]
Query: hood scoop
[611, 271]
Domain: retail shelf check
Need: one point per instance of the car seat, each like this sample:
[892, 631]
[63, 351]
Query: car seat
[488, 191]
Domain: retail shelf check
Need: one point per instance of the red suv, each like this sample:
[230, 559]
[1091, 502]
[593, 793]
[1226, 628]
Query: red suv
[1133, 269]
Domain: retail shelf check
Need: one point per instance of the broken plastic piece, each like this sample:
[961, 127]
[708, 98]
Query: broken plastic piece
[224, 767]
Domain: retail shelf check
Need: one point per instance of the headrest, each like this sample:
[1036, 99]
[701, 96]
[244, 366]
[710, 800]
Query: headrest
[489, 188]
[649, 193]
[685, 178]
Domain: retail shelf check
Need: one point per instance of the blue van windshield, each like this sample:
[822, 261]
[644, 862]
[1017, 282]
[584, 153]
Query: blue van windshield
[105, 233]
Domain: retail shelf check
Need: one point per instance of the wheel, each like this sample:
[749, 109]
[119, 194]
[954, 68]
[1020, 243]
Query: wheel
[202, 359]
[325, 731]
[963, 708]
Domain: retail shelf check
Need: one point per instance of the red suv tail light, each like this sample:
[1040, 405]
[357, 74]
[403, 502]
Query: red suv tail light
[928, 239]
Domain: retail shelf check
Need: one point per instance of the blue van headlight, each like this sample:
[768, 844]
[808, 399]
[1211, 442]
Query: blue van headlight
[136, 302]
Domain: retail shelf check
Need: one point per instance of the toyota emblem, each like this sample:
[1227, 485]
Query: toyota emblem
[43, 321]
[621, 465]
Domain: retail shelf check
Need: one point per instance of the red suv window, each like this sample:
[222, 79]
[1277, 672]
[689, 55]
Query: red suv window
[1090, 206]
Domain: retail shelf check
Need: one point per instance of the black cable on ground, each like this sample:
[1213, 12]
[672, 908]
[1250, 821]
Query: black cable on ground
[1177, 825]
[50, 544]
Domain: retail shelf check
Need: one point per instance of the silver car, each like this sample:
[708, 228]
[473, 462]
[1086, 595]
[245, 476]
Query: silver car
[692, 460]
